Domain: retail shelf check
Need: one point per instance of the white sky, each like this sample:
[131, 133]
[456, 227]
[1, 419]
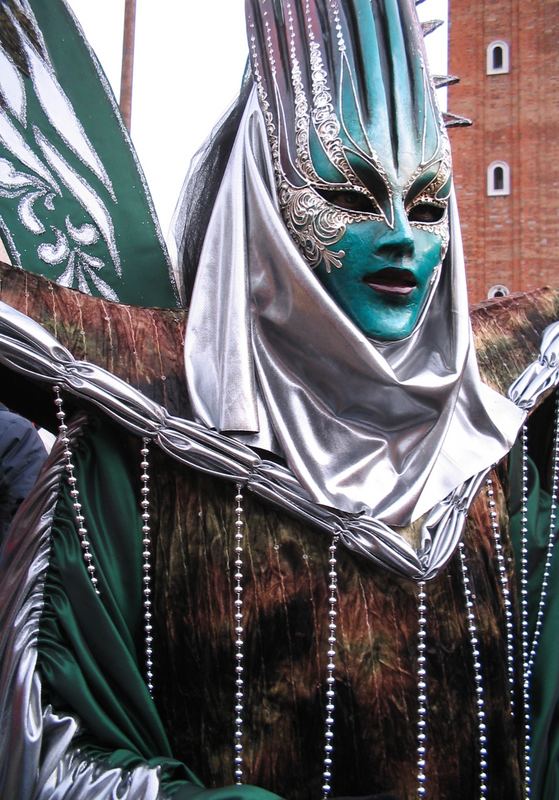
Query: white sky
[189, 60]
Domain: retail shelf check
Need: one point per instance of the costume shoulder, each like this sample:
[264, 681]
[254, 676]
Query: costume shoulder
[142, 346]
[508, 333]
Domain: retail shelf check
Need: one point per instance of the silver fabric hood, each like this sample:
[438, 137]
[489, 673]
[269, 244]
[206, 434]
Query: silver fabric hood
[383, 429]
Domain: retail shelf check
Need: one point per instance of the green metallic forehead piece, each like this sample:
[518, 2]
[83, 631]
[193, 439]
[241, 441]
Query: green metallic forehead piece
[348, 101]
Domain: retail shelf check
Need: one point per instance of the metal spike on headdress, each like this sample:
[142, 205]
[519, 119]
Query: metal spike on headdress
[455, 120]
[441, 81]
[430, 26]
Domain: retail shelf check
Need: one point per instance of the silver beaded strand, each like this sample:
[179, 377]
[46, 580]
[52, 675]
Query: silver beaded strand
[330, 670]
[421, 690]
[524, 629]
[480, 702]
[74, 491]
[505, 588]
[529, 652]
[146, 566]
[550, 543]
[239, 638]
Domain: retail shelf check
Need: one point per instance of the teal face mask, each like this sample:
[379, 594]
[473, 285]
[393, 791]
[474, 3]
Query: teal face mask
[389, 256]
[360, 151]
[386, 276]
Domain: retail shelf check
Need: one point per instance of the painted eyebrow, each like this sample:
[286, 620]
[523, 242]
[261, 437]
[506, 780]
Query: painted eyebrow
[423, 181]
[370, 177]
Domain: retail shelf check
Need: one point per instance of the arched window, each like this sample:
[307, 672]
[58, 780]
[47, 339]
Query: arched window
[499, 290]
[497, 58]
[498, 178]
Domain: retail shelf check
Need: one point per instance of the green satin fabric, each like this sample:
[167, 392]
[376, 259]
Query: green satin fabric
[545, 681]
[90, 646]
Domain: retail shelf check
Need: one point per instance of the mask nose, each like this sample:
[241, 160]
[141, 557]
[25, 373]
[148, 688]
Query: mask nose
[397, 242]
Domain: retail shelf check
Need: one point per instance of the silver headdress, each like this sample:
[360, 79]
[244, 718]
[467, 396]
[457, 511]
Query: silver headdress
[348, 104]
[383, 429]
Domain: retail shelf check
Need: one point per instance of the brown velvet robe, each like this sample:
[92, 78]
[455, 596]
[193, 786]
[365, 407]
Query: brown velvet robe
[286, 597]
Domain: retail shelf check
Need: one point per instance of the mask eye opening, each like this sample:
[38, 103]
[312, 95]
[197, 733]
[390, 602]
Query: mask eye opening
[348, 200]
[427, 213]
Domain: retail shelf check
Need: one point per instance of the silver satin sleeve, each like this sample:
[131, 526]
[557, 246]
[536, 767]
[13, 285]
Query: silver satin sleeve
[26, 347]
[38, 757]
[540, 376]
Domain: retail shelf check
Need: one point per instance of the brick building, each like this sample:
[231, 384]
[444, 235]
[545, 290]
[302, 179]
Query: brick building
[506, 53]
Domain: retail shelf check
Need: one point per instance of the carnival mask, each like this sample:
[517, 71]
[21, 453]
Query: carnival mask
[360, 152]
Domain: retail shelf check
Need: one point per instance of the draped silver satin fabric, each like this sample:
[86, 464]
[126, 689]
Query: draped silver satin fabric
[540, 376]
[387, 430]
[38, 756]
[30, 350]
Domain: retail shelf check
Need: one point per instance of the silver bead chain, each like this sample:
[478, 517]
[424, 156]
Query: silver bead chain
[74, 491]
[550, 543]
[330, 669]
[239, 638]
[480, 701]
[421, 689]
[524, 627]
[505, 587]
[146, 565]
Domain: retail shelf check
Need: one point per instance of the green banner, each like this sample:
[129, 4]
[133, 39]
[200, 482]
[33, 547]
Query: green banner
[74, 204]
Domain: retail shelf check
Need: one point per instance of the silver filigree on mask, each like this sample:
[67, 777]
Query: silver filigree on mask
[315, 223]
